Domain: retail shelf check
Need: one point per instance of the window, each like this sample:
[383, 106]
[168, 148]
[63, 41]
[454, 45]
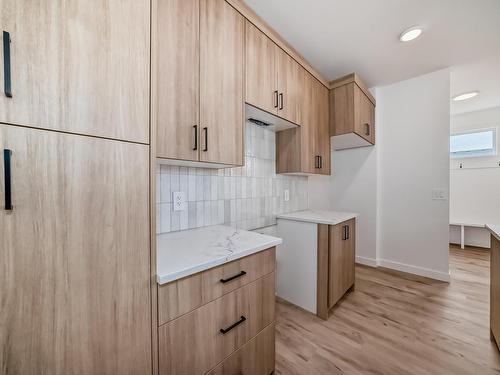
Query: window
[472, 144]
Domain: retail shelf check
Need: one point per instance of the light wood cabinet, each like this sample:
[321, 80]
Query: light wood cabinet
[229, 312]
[200, 88]
[341, 261]
[274, 80]
[352, 113]
[495, 290]
[256, 357]
[75, 255]
[306, 150]
[80, 67]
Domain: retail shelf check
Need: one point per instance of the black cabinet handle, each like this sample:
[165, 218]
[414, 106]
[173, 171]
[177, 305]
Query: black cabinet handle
[344, 232]
[281, 100]
[348, 232]
[205, 129]
[367, 129]
[6, 65]
[226, 330]
[223, 281]
[7, 179]
[195, 129]
[320, 162]
[276, 99]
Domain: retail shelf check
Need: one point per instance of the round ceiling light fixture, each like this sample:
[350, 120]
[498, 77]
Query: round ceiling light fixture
[410, 34]
[465, 96]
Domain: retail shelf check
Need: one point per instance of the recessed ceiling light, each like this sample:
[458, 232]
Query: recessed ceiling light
[465, 96]
[410, 34]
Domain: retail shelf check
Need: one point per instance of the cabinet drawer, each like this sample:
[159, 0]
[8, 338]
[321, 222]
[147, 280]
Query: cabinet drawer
[254, 358]
[194, 343]
[184, 295]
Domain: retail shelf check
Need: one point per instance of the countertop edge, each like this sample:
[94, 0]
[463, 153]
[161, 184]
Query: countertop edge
[165, 279]
[494, 230]
[319, 221]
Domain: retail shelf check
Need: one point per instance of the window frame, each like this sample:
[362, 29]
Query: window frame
[476, 153]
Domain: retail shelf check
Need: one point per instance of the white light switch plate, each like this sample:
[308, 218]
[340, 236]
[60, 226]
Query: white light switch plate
[439, 195]
[287, 195]
[179, 202]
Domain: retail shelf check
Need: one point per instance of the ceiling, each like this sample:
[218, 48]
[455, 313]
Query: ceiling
[342, 36]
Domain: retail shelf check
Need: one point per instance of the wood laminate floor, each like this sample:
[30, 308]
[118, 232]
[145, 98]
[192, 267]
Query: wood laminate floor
[396, 323]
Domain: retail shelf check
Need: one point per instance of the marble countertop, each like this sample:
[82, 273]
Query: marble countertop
[318, 216]
[184, 253]
[494, 229]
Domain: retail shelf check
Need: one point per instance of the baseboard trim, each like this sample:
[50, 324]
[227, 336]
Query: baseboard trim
[366, 261]
[420, 271]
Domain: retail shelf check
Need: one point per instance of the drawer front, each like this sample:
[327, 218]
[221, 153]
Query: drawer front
[194, 343]
[182, 296]
[257, 357]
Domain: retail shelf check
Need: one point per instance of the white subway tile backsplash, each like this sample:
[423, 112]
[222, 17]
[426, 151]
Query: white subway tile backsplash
[246, 197]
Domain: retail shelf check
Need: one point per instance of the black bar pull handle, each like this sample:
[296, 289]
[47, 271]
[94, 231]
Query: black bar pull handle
[7, 178]
[195, 130]
[367, 129]
[320, 162]
[281, 100]
[348, 232]
[226, 330]
[7, 87]
[276, 99]
[223, 281]
[205, 129]
[344, 232]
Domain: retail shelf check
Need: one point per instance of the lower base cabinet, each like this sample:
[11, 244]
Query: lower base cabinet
[227, 331]
[495, 290]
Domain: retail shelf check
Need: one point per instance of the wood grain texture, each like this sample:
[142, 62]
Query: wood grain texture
[254, 358]
[184, 295]
[222, 63]
[320, 126]
[364, 116]
[79, 66]
[342, 110]
[495, 290]
[291, 83]
[323, 271]
[342, 259]
[75, 295]
[262, 25]
[288, 151]
[204, 347]
[177, 79]
[397, 323]
[353, 77]
[261, 70]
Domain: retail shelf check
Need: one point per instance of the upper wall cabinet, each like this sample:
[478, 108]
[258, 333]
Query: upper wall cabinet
[77, 66]
[274, 80]
[200, 81]
[306, 149]
[352, 113]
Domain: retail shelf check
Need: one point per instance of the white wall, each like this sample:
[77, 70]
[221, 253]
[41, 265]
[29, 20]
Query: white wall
[390, 184]
[413, 122]
[475, 189]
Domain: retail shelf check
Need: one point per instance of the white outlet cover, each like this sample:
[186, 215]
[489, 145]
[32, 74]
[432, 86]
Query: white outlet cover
[439, 194]
[179, 202]
[287, 195]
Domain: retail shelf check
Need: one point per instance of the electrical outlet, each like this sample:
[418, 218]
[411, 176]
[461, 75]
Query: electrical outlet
[287, 195]
[179, 201]
[438, 194]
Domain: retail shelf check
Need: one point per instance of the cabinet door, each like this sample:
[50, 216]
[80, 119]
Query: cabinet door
[364, 115]
[177, 104]
[75, 256]
[261, 72]
[320, 125]
[79, 66]
[495, 290]
[222, 54]
[341, 260]
[342, 106]
[291, 82]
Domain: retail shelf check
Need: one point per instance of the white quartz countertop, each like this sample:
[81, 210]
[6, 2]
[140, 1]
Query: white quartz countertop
[494, 229]
[184, 253]
[319, 216]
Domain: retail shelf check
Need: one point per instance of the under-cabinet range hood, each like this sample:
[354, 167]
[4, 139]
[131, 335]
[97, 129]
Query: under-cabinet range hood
[266, 120]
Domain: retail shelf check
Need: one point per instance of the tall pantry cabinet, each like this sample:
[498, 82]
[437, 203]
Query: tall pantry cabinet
[74, 187]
